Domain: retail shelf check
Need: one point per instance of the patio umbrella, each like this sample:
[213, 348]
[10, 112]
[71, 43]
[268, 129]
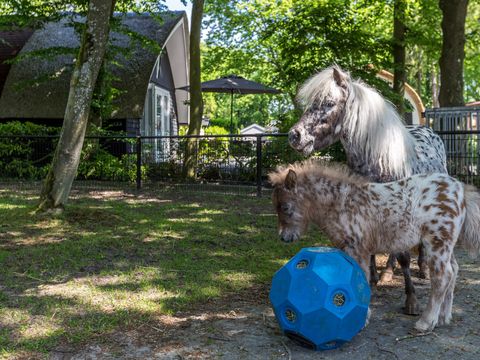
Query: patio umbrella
[233, 84]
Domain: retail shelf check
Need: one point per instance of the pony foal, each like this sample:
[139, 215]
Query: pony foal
[364, 218]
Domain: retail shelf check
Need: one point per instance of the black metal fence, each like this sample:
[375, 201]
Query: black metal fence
[229, 163]
[225, 163]
[458, 128]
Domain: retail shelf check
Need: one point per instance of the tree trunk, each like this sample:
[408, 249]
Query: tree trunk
[434, 83]
[95, 117]
[196, 100]
[58, 183]
[399, 72]
[453, 52]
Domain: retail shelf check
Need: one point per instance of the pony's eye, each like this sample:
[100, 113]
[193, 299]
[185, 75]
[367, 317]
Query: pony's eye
[328, 104]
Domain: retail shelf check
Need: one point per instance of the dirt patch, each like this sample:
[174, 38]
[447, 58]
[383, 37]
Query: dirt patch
[243, 326]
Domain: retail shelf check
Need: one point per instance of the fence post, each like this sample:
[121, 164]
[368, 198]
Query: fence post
[139, 162]
[259, 165]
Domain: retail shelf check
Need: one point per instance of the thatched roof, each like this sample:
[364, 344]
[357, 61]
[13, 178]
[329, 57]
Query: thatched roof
[11, 42]
[23, 97]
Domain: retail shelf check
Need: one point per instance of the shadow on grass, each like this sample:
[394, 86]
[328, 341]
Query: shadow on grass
[114, 264]
[115, 261]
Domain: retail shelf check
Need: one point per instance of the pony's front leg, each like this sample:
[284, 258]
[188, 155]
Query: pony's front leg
[363, 259]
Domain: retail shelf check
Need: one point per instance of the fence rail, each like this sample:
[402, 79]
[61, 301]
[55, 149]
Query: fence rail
[225, 163]
[230, 163]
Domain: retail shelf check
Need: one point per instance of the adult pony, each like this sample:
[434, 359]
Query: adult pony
[364, 218]
[376, 142]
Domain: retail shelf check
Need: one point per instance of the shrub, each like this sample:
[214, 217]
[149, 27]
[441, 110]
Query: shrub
[102, 165]
[26, 157]
[27, 149]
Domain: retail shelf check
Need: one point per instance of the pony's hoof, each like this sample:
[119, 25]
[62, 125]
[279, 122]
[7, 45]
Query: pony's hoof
[423, 327]
[387, 276]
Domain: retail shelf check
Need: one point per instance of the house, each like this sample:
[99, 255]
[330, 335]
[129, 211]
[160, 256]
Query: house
[411, 96]
[473, 103]
[36, 88]
[253, 129]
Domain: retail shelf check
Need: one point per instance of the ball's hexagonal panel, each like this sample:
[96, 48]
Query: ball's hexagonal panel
[280, 287]
[320, 298]
[353, 322]
[333, 268]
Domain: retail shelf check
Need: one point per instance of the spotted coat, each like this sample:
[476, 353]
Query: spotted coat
[429, 156]
[366, 218]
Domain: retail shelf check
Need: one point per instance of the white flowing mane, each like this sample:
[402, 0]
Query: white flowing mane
[372, 125]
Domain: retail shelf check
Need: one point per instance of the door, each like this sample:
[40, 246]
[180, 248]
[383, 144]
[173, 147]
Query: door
[162, 120]
[156, 122]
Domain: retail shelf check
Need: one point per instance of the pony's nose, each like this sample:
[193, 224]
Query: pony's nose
[293, 136]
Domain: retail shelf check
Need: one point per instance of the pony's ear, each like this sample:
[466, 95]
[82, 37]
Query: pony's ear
[291, 180]
[340, 78]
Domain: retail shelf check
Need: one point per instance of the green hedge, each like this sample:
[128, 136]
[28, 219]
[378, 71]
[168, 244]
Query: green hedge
[219, 159]
[30, 158]
[25, 158]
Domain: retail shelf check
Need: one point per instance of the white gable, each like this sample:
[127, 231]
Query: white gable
[252, 130]
[177, 45]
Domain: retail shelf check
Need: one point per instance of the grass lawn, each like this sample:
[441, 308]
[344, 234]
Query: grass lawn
[114, 261]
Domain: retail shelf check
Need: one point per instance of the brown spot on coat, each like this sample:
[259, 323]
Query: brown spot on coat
[442, 197]
[447, 210]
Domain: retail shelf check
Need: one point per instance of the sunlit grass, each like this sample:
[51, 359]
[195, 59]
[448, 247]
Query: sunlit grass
[113, 262]
[11, 206]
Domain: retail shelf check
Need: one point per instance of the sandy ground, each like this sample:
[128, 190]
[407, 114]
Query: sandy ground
[245, 328]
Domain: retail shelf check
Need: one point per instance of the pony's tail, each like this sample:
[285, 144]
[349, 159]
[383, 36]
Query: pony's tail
[470, 235]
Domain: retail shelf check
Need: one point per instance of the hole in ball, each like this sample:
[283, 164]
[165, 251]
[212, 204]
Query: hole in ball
[339, 299]
[302, 264]
[290, 315]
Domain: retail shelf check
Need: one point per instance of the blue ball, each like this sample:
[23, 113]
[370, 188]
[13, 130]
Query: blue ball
[320, 298]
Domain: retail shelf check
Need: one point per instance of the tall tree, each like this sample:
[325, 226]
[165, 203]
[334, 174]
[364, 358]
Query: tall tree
[472, 52]
[399, 50]
[58, 182]
[283, 42]
[453, 52]
[196, 100]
